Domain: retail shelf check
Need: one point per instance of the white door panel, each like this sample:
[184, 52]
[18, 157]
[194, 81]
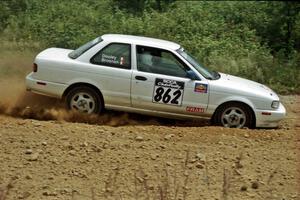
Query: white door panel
[114, 83]
[116, 87]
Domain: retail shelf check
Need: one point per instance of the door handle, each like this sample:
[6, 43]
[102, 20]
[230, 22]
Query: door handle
[141, 78]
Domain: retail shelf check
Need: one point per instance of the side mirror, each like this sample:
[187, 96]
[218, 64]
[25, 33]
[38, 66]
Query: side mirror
[192, 75]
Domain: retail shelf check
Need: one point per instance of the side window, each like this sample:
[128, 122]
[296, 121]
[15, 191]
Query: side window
[160, 61]
[114, 55]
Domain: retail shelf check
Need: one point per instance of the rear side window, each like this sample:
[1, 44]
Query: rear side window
[114, 55]
[78, 52]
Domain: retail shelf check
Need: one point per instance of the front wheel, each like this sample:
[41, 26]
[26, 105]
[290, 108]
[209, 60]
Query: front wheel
[234, 115]
[84, 99]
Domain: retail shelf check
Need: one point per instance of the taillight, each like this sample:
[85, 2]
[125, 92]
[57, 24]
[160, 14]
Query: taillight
[34, 67]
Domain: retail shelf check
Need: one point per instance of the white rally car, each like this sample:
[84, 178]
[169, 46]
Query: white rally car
[150, 76]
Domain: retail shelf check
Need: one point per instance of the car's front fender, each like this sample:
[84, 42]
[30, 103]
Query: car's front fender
[217, 99]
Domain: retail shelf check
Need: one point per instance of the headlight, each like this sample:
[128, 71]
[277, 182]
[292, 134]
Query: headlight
[275, 104]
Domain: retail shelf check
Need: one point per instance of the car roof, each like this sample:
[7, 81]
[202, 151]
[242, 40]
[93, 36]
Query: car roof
[139, 40]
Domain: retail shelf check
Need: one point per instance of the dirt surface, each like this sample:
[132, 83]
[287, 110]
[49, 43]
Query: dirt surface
[121, 156]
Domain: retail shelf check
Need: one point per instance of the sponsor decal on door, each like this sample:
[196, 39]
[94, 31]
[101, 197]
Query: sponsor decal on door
[200, 87]
[168, 92]
[194, 109]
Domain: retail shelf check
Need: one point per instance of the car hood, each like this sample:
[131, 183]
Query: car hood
[236, 85]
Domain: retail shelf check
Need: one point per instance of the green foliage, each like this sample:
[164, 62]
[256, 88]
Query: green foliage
[273, 21]
[139, 6]
[8, 8]
[255, 40]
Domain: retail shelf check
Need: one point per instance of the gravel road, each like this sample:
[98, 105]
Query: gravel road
[128, 157]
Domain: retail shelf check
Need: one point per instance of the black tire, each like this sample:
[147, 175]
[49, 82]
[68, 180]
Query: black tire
[234, 115]
[95, 106]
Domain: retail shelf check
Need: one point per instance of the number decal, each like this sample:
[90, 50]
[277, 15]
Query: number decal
[168, 92]
[167, 97]
[159, 91]
[177, 94]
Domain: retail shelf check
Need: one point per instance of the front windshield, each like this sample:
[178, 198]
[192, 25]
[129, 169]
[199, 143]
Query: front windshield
[207, 73]
[78, 52]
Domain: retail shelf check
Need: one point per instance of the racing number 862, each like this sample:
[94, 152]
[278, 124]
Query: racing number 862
[167, 95]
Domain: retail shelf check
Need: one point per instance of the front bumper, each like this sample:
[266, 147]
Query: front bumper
[270, 118]
[44, 87]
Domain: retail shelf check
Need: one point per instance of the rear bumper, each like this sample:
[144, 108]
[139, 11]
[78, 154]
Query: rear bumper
[270, 118]
[44, 87]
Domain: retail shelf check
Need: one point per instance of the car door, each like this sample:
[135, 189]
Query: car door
[114, 73]
[160, 83]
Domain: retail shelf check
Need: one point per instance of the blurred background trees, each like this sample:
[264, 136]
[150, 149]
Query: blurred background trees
[257, 40]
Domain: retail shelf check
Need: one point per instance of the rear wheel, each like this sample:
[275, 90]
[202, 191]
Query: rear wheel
[234, 115]
[84, 99]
